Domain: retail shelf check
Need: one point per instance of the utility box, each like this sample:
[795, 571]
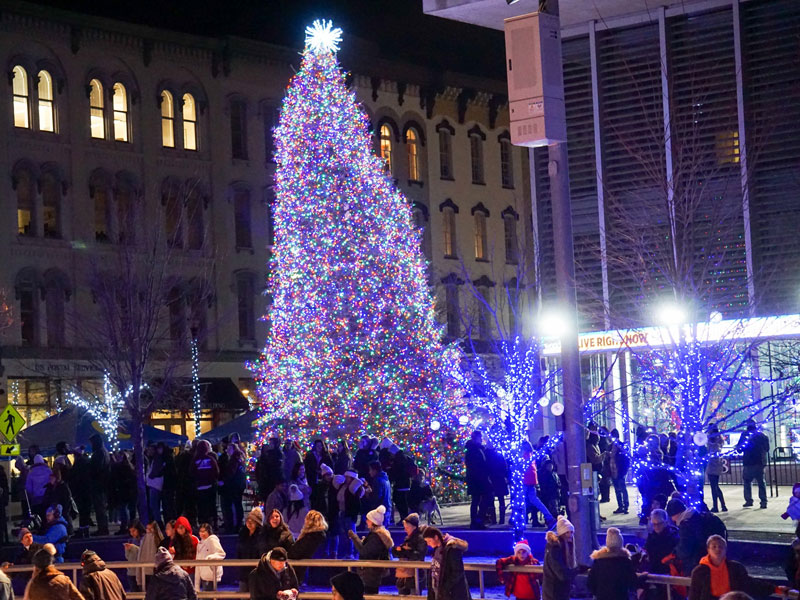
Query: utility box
[535, 80]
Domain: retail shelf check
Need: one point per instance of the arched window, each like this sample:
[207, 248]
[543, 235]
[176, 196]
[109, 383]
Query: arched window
[120, 105]
[412, 148]
[445, 154]
[51, 205]
[189, 123]
[195, 234]
[242, 219]
[510, 237]
[476, 154]
[173, 214]
[27, 287]
[449, 232]
[480, 236]
[506, 164]
[19, 90]
[102, 206]
[245, 293]
[26, 200]
[124, 198]
[386, 146]
[197, 300]
[452, 310]
[167, 120]
[96, 104]
[47, 121]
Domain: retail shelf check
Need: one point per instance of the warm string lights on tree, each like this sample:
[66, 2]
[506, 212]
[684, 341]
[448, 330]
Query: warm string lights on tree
[106, 410]
[197, 405]
[354, 346]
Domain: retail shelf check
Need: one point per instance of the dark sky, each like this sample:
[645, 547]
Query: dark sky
[399, 27]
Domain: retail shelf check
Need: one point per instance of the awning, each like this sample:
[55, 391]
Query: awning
[244, 425]
[221, 392]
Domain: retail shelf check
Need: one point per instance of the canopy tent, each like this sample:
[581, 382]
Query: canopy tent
[244, 425]
[75, 426]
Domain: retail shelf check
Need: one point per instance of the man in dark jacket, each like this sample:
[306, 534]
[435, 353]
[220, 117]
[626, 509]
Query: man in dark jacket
[693, 531]
[446, 579]
[754, 446]
[99, 583]
[272, 575]
[413, 548]
[365, 455]
[100, 466]
[478, 486]
[169, 581]
[79, 479]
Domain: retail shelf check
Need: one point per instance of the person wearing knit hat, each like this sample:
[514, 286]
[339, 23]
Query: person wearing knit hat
[47, 581]
[413, 548]
[297, 510]
[55, 532]
[560, 564]
[613, 575]
[374, 546]
[98, 581]
[168, 579]
[347, 586]
[249, 544]
[693, 531]
[273, 578]
[523, 586]
[325, 470]
[256, 516]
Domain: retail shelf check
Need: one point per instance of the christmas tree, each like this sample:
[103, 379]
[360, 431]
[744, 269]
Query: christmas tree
[354, 346]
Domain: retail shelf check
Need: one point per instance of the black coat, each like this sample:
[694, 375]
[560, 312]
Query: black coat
[374, 546]
[249, 546]
[264, 583]
[477, 469]
[613, 575]
[557, 575]
[452, 579]
[740, 581]
[272, 537]
[658, 546]
[691, 542]
[361, 461]
[754, 447]
[413, 548]
[498, 471]
[170, 583]
[304, 548]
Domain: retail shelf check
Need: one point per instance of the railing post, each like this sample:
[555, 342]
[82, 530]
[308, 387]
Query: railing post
[480, 584]
[669, 592]
[416, 581]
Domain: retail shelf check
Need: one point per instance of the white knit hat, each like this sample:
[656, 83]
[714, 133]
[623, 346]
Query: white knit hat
[614, 539]
[325, 470]
[352, 474]
[338, 480]
[522, 544]
[294, 493]
[563, 525]
[376, 516]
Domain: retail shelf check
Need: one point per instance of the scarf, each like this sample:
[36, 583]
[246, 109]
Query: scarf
[720, 582]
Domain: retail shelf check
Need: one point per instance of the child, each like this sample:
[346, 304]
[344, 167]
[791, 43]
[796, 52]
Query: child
[550, 486]
[793, 510]
[523, 586]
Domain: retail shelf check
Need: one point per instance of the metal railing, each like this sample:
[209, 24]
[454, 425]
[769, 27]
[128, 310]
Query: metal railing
[480, 568]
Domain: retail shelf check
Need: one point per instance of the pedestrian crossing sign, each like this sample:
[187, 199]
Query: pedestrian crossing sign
[10, 450]
[11, 422]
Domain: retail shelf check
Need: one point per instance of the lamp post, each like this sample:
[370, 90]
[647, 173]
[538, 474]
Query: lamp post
[196, 399]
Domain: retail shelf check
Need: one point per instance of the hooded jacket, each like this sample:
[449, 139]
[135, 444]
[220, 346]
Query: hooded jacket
[558, 574]
[36, 482]
[99, 583]
[209, 549]
[56, 534]
[373, 546]
[613, 574]
[738, 581]
[181, 551]
[452, 583]
[477, 469]
[170, 582]
[52, 584]
[413, 548]
[265, 583]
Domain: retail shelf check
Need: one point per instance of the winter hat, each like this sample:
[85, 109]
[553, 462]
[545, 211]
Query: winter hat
[385, 444]
[349, 585]
[38, 460]
[675, 507]
[87, 554]
[23, 531]
[56, 509]
[412, 519]
[278, 553]
[163, 557]
[376, 516]
[352, 474]
[294, 493]
[563, 525]
[256, 516]
[325, 470]
[338, 480]
[42, 559]
[794, 488]
[613, 539]
[522, 544]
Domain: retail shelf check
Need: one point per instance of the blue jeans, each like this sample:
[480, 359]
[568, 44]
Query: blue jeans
[154, 504]
[533, 500]
[345, 543]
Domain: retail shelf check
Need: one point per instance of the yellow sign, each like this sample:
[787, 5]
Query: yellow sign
[11, 422]
[9, 450]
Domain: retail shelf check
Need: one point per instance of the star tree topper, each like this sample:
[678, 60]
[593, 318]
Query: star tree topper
[322, 37]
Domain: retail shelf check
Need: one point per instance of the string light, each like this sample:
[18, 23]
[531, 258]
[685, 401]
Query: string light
[196, 397]
[106, 410]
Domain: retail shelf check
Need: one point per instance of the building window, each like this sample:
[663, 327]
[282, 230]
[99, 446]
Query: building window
[271, 121]
[245, 292]
[449, 232]
[47, 121]
[126, 213]
[194, 220]
[177, 316]
[96, 105]
[19, 90]
[445, 154]
[452, 311]
[476, 154]
[386, 146]
[51, 205]
[102, 214]
[55, 314]
[480, 236]
[420, 220]
[412, 148]
[506, 164]
[26, 222]
[189, 122]
[167, 120]
[120, 106]
[482, 313]
[173, 214]
[239, 129]
[242, 219]
[510, 231]
[26, 290]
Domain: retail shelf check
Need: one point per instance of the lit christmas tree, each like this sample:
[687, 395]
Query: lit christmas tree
[354, 346]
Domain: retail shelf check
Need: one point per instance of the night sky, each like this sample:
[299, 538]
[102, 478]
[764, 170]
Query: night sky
[399, 27]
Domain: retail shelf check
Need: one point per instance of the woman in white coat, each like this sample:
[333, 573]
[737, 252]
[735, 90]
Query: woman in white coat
[209, 548]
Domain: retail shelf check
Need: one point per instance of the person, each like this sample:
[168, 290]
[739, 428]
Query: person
[446, 578]
[275, 532]
[754, 446]
[420, 492]
[273, 578]
[250, 543]
[478, 485]
[58, 493]
[155, 481]
[297, 510]
[715, 576]
[659, 545]
[373, 546]
[47, 582]
[400, 471]
[269, 467]
[613, 575]
[498, 480]
[98, 582]
[36, 485]
[122, 496]
[413, 548]
[137, 532]
[278, 498]
[619, 463]
[55, 532]
[169, 581]
[80, 484]
[560, 564]
[145, 552]
[792, 564]
[312, 537]
[185, 501]
[169, 537]
[232, 485]
[530, 481]
[349, 492]
[314, 458]
[184, 543]
[29, 547]
[655, 480]
[347, 586]
[99, 468]
[715, 467]
[549, 486]
[523, 586]
[209, 548]
[344, 460]
[365, 455]
[381, 494]
[793, 509]
[291, 456]
[205, 472]
[6, 591]
[694, 529]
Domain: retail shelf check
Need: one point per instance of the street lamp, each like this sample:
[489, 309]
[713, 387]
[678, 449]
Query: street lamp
[553, 323]
[671, 314]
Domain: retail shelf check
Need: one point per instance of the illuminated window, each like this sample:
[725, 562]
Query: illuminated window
[189, 123]
[728, 147]
[449, 232]
[506, 165]
[120, 105]
[480, 236]
[46, 114]
[445, 154]
[167, 120]
[386, 146]
[26, 224]
[51, 205]
[96, 105]
[412, 148]
[19, 90]
[476, 154]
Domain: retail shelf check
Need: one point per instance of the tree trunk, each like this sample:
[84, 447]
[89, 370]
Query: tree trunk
[138, 456]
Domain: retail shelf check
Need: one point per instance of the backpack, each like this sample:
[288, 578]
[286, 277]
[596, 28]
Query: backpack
[711, 524]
